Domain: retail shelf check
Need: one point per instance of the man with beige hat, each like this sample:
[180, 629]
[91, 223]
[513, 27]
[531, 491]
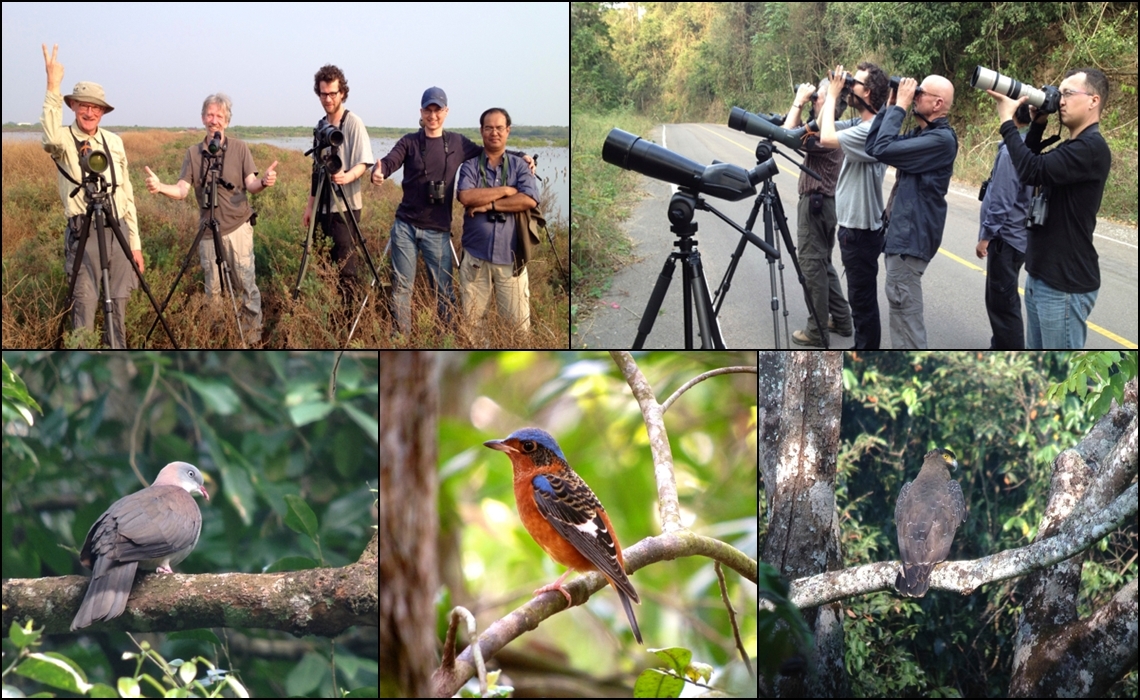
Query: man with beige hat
[63, 143]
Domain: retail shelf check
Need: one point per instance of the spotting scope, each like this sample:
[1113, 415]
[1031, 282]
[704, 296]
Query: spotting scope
[763, 127]
[722, 180]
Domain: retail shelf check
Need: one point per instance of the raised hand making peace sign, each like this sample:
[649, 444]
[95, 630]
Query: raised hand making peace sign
[54, 68]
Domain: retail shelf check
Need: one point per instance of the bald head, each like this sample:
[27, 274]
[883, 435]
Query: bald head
[941, 95]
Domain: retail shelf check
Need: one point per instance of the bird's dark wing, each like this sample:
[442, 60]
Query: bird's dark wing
[574, 512]
[902, 523]
[150, 524]
[144, 527]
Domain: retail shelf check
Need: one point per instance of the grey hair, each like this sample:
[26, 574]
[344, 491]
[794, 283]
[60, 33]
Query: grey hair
[222, 100]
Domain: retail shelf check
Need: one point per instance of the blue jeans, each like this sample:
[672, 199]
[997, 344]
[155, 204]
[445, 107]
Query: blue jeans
[1056, 320]
[435, 246]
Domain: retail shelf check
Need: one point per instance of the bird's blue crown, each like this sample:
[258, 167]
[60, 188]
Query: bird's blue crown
[541, 437]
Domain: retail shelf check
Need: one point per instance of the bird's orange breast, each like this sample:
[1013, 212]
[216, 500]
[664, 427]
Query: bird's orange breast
[542, 531]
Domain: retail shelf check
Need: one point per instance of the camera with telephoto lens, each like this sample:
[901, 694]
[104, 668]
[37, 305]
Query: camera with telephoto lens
[1047, 99]
[436, 191]
[326, 135]
[326, 139]
[92, 161]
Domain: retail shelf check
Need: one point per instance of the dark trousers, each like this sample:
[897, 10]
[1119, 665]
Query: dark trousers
[860, 251]
[815, 234]
[343, 252]
[1003, 264]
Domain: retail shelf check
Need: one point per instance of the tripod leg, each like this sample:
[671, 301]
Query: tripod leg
[726, 281]
[118, 231]
[354, 226]
[659, 290]
[781, 222]
[81, 246]
[227, 282]
[359, 313]
[561, 270]
[309, 238]
[105, 274]
[173, 287]
[706, 316]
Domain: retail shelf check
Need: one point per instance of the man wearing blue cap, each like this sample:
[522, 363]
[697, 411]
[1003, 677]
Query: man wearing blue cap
[430, 158]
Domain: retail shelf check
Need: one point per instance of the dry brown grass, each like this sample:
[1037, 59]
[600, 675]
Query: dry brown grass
[34, 284]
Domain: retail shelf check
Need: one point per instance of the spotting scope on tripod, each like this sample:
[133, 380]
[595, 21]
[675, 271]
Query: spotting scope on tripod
[769, 205]
[721, 180]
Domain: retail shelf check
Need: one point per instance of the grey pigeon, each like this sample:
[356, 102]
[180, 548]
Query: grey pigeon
[154, 528]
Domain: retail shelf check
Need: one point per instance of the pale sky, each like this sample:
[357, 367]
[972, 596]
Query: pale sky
[157, 62]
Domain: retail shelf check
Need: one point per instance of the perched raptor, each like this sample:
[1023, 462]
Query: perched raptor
[928, 512]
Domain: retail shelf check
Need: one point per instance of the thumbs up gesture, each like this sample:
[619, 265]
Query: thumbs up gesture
[152, 182]
[270, 175]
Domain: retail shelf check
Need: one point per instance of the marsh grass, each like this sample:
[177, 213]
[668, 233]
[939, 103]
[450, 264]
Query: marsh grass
[35, 286]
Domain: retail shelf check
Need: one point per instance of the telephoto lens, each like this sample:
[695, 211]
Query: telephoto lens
[1047, 99]
[328, 135]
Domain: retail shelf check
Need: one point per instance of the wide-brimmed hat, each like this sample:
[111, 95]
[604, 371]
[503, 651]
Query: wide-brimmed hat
[91, 93]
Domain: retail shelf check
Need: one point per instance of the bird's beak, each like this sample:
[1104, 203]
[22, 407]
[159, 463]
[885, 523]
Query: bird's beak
[500, 445]
[202, 490]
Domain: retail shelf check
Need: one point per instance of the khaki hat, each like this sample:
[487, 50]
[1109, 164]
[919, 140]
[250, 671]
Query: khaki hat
[88, 92]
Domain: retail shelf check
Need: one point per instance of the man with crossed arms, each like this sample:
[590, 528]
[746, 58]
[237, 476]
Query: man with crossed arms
[492, 187]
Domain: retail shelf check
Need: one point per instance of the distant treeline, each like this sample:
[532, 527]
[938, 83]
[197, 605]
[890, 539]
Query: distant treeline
[520, 135]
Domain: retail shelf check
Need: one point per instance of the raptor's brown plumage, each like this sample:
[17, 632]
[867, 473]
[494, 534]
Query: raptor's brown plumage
[928, 513]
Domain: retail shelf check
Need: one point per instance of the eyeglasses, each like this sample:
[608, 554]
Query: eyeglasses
[328, 95]
[495, 129]
[88, 107]
[1069, 93]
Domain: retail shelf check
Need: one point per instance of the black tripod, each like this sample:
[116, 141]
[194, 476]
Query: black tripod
[550, 239]
[326, 165]
[95, 220]
[769, 199]
[213, 178]
[696, 290]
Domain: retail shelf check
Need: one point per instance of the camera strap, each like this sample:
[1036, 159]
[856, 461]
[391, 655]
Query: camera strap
[423, 154]
[78, 147]
[483, 172]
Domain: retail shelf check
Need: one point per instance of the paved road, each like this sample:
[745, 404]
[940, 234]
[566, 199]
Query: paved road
[953, 286]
